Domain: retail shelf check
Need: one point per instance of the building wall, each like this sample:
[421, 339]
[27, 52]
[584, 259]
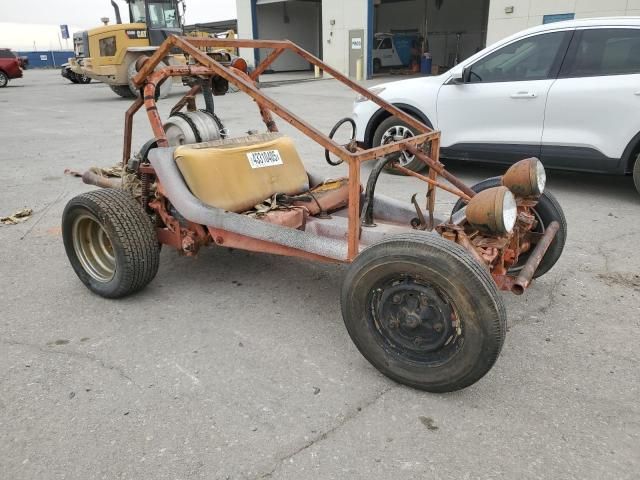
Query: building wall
[347, 15]
[245, 28]
[529, 13]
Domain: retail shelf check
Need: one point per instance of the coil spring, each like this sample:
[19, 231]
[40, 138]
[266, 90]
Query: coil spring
[145, 189]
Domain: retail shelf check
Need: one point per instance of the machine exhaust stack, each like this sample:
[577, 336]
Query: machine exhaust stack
[116, 8]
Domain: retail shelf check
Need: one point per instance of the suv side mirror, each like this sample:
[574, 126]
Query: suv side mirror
[457, 77]
[466, 74]
[460, 77]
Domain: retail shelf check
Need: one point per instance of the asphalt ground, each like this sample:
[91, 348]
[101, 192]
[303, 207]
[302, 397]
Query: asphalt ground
[237, 365]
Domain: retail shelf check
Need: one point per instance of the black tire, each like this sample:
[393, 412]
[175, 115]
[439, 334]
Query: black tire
[130, 240]
[4, 80]
[388, 125]
[83, 79]
[123, 91]
[447, 280]
[547, 210]
[636, 174]
[377, 65]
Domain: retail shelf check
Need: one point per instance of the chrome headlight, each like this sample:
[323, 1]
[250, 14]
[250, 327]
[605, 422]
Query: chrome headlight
[494, 210]
[526, 178]
[374, 90]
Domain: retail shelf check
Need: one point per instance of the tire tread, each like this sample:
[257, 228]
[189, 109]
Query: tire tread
[134, 233]
[486, 282]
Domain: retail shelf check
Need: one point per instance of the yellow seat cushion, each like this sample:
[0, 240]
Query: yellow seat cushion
[236, 174]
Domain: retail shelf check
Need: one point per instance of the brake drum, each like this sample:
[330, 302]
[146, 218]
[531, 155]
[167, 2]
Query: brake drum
[184, 128]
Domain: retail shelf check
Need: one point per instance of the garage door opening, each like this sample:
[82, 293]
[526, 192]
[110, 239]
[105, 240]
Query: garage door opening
[449, 31]
[295, 20]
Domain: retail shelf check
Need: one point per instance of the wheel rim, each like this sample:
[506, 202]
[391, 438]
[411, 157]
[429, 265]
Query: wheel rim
[415, 321]
[93, 248]
[394, 134]
[3, 80]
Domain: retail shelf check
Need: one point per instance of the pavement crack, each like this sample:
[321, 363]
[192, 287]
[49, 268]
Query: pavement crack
[75, 354]
[353, 414]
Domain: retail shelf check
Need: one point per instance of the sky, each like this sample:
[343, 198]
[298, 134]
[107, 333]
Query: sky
[23, 22]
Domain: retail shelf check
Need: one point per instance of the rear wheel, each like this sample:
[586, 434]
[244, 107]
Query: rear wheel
[4, 80]
[636, 174]
[392, 130]
[377, 65]
[123, 91]
[424, 312]
[546, 211]
[110, 242]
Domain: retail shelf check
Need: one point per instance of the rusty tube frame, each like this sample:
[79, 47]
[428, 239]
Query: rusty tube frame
[207, 66]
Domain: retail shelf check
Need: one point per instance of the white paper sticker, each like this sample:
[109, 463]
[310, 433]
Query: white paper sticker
[267, 158]
[356, 43]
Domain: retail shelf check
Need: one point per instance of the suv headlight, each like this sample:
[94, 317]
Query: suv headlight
[494, 210]
[526, 178]
[374, 90]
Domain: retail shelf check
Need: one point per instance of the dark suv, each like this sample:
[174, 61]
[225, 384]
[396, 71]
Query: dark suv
[10, 66]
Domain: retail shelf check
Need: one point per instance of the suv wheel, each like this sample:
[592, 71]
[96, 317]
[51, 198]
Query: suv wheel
[636, 174]
[391, 130]
[4, 80]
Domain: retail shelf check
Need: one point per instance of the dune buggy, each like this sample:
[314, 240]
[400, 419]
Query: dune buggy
[420, 298]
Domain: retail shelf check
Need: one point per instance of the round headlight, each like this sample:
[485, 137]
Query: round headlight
[494, 210]
[509, 211]
[526, 178]
[541, 177]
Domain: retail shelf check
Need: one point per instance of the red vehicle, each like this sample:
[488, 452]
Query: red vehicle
[10, 66]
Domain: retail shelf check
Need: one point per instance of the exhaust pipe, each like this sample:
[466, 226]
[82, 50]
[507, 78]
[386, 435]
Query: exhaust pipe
[526, 274]
[92, 178]
[116, 8]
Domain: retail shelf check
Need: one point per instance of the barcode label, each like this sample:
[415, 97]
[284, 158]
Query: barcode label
[267, 158]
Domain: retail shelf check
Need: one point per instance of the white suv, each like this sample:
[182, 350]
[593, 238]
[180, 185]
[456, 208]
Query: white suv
[567, 93]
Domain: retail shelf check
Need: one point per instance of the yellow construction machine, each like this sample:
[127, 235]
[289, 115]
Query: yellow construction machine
[109, 53]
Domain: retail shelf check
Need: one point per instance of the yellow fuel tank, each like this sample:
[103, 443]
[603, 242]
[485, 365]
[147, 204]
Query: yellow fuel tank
[236, 174]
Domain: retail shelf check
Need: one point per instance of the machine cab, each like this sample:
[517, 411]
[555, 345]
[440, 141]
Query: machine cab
[162, 18]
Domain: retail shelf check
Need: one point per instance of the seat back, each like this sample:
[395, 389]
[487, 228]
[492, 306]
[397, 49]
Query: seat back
[236, 174]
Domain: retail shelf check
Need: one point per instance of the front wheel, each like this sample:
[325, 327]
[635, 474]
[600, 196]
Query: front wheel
[546, 211]
[424, 312]
[110, 242]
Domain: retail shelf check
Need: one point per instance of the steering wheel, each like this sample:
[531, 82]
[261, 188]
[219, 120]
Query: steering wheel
[335, 128]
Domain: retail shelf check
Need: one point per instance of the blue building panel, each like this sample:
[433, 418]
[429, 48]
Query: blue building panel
[47, 58]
